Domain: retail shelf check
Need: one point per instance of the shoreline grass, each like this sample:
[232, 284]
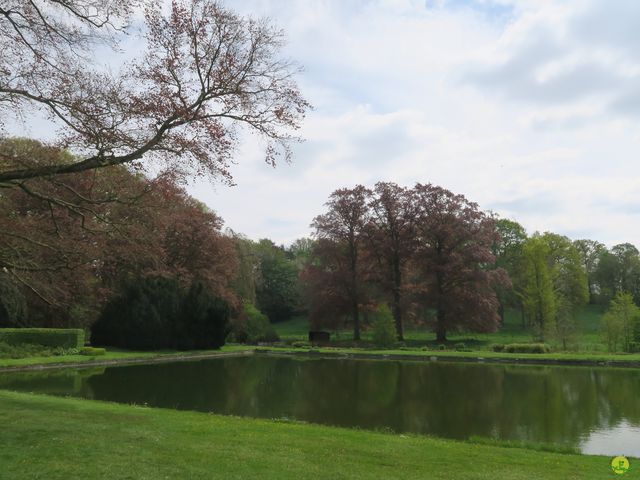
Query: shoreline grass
[114, 355]
[64, 438]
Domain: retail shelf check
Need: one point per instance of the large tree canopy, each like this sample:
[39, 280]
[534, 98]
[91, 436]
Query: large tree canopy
[205, 71]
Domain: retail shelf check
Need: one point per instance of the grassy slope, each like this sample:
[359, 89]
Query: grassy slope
[112, 354]
[59, 438]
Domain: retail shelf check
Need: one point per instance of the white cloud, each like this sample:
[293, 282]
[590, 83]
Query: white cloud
[529, 108]
[525, 107]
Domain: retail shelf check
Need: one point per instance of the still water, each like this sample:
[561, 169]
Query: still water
[594, 409]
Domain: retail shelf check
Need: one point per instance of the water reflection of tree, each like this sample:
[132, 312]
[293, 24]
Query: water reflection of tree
[540, 404]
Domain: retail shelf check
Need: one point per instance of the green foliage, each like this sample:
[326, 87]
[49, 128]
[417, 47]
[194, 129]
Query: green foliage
[92, 351]
[156, 313]
[539, 301]
[384, 328]
[253, 327]
[29, 350]
[442, 347]
[523, 348]
[277, 292]
[620, 322]
[48, 337]
[555, 285]
[461, 347]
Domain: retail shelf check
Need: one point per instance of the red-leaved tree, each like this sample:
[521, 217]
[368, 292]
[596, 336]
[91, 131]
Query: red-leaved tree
[455, 260]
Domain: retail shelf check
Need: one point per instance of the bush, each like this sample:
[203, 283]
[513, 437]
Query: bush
[498, 347]
[258, 328]
[384, 328]
[48, 337]
[92, 351]
[156, 313]
[252, 326]
[523, 348]
[442, 347]
[461, 347]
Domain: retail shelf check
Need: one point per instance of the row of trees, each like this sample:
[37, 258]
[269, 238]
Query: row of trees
[434, 257]
[68, 242]
[423, 250]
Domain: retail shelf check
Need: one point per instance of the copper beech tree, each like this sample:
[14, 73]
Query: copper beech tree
[65, 246]
[421, 250]
[204, 73]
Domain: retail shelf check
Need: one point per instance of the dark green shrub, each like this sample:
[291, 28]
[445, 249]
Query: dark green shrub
[442, 347]
[498, 347]
[48, 337]
[527, 348]
[92, 351]
[202, 322]
[156, 313]
[384, 328]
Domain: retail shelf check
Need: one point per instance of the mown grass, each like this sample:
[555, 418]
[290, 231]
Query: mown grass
[111, 355]
[60, 438]
[587, 338]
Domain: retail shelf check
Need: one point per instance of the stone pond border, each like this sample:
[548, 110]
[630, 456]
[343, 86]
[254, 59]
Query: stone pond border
[427, 357]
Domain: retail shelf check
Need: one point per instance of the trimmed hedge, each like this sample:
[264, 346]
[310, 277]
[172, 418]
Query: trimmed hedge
[522, 348]
[48, 337]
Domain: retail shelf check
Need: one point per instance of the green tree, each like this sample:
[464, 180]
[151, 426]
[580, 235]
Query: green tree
[509, 256]
[590, 252]
[618, 270]
[277, 291]
[538, 296]
[620, 320]
[555, 285]
[384, 328]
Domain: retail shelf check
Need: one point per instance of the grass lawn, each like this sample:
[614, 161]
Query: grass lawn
[112, 355]
[60, 438]
[588, 336]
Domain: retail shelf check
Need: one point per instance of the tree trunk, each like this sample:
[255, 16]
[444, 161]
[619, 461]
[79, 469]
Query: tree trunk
[355, 313]
[397, 309]
[441, 328]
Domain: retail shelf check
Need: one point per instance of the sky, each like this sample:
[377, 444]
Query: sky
[529, 108]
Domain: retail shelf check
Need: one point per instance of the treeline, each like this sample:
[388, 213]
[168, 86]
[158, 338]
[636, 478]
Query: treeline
[71, 244]
[438, 260]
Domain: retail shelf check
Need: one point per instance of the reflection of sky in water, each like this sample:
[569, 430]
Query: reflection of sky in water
[623, 439]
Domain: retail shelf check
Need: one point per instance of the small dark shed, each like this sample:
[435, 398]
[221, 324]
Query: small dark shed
[319, 337]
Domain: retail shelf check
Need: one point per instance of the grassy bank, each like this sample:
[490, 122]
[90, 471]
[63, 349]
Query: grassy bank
[61, 438]
[631, 359]
[113, 355]
[587, 338]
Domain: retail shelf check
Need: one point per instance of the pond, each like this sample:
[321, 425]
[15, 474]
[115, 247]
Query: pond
[596, 410]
